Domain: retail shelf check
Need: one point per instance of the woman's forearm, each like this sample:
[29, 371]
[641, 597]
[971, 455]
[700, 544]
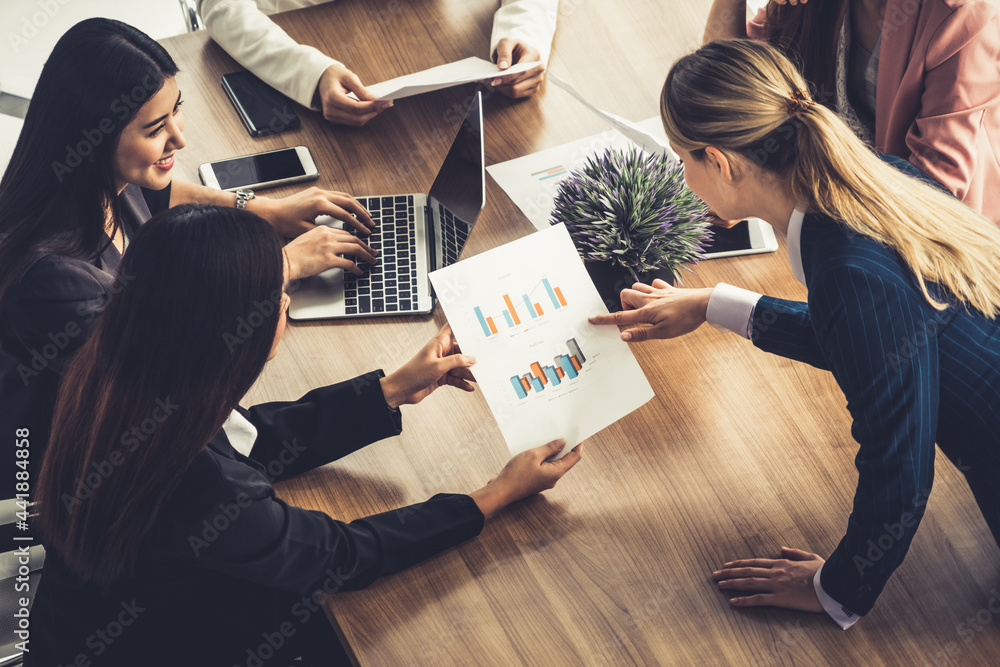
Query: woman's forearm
[727, 19]
[191, 193]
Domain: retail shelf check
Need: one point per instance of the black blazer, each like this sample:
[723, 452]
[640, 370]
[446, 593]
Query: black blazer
[228, 563]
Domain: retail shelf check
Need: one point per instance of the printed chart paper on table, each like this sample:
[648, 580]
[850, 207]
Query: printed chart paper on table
[521, 310]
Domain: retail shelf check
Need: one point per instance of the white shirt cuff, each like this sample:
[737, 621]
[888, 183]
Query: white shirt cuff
[843, 616]
[731, 309]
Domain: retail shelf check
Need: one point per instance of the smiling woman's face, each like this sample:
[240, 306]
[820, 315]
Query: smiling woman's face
[145, 154]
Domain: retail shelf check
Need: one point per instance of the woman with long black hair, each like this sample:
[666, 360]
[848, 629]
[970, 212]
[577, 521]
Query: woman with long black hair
[93, 162]
[155, 497]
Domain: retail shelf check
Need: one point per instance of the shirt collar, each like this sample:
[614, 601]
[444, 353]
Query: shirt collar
[794, 238]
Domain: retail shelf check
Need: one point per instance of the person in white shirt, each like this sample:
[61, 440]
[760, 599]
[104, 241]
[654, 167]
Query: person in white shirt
[522, 32]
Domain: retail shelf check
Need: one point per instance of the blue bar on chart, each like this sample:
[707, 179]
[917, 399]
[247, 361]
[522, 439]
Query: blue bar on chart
[510, 322]
[482, 321]
[567, 365]
[527, 303]
[552, 294]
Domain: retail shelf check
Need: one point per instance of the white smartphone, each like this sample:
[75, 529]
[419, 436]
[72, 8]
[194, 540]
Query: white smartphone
[261, 170]
[748, 237]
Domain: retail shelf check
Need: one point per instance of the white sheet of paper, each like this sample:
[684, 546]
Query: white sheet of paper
[521, 310]
[443, 76]
[652, 142]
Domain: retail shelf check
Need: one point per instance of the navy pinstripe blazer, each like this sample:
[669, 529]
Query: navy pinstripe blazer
[912, 376]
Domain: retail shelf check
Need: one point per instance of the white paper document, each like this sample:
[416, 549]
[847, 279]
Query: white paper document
[652, 140]
[444, 76]
[521, 310]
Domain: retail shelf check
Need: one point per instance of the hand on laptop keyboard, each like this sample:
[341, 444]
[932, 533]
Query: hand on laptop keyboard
[323, 248]
[295, 214]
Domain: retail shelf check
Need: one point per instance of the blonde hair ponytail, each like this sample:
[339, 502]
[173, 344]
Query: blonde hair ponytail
[745, 99]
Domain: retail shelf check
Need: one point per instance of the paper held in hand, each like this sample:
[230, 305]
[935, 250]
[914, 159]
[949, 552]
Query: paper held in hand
[521, 310]
[444, 76]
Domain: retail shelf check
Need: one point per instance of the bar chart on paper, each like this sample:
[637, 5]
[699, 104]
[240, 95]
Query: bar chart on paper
[564, 367]
[526, 308]
[521, 310]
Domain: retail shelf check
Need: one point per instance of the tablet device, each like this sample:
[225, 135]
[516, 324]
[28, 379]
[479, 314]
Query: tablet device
[749, 237]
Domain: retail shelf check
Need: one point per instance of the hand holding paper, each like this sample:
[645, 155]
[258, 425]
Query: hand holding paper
[510, 52]
[443, 76]
[546, 373]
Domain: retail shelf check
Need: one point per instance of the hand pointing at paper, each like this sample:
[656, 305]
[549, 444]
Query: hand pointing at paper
[671, 311]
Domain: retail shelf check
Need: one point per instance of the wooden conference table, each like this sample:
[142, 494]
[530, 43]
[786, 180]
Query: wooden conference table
[740, 452]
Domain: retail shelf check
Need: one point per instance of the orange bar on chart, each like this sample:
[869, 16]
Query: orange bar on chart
[510, 309]
[493, 327]
[536, 368]
[525, 384]
[560, 373]
[559, 294]
[576, 364]
[538, 309]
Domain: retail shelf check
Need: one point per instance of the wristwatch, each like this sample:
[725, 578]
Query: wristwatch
[242, 198]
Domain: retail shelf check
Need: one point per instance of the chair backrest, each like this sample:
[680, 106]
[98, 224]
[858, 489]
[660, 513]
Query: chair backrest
[20, 571]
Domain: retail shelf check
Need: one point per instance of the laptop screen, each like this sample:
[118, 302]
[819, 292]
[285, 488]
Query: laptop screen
[461, 183]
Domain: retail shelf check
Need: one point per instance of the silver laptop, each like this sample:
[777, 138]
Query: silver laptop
[415, 234]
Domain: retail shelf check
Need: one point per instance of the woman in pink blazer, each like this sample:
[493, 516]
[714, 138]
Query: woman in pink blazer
[934, 77]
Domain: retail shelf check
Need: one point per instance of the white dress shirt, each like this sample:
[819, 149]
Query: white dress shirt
[731, 309]
[243, 29]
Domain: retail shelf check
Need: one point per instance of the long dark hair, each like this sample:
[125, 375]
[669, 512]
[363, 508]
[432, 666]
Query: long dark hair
[173, 353]
[59, 184]
[807, 35]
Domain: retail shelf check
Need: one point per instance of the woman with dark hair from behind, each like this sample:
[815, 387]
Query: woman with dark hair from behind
[918, 80]
[93, 162]
[903, 307]
[179, 537]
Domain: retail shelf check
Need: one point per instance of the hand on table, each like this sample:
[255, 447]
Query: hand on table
[510, 52]
[786, 582]
[671, 311]
[439, 363]
[296, 214]
[334, 85]
[323, 248]
[526, 474]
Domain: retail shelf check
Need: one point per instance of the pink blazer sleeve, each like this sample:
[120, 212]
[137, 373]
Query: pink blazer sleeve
[960, 104]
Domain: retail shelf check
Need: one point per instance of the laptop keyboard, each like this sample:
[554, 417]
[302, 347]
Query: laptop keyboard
[391, 285]
[455, 234]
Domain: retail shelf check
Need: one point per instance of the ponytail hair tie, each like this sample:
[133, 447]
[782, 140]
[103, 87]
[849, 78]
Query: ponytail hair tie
[799, 102]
